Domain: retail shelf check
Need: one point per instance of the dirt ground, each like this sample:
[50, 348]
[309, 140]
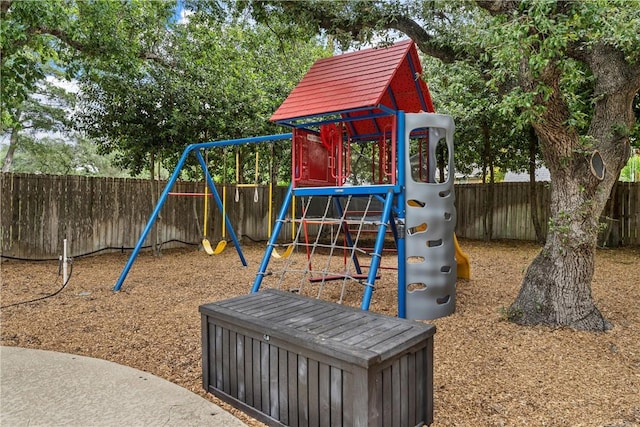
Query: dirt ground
[488, 372]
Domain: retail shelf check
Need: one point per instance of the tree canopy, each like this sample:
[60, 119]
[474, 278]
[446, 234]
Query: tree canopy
[223, 82]
[150, 83]
[64, 34]
[67, 39]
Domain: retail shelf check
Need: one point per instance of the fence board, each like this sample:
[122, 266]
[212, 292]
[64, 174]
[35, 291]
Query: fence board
[629, 200]
[39, 211]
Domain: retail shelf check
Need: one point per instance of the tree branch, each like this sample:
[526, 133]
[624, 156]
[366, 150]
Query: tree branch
[358, 20]
[577, 50]
[376, 19]
[4, 7]
[84, 48]
[498, 7]
[154, 57]
[60, 35]
[423, 39]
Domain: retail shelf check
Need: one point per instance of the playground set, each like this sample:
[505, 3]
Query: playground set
[369, 104]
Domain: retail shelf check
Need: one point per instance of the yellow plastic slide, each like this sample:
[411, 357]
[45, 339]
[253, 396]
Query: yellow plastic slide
[462, 259]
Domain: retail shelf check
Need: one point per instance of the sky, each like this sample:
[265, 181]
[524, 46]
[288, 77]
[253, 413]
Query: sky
[181, 14]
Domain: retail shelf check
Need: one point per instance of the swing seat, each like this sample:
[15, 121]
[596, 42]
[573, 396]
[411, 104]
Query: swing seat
[286, 254]
[220, 247]
[340, 277]
[207, 246]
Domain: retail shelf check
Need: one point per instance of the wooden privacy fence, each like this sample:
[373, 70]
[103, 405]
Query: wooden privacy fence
[511, 208]
[511, 212]
[93, 214]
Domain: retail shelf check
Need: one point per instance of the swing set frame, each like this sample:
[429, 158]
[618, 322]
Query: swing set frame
[196, 150]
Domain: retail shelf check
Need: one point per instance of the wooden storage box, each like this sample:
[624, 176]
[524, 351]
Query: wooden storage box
[291, 360]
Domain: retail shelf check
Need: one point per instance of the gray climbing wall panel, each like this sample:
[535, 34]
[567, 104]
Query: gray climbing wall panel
[430, 263]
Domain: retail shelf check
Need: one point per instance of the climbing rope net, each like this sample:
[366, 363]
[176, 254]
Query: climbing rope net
[327, 247]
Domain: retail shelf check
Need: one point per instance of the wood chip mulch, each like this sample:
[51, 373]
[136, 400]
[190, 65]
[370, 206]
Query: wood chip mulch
[487, 371]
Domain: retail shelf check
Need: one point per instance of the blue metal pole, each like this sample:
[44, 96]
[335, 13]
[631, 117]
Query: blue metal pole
[272, 240]
[214, 191]
[153, 217]
[241, 141]
[402, 145]
[377, 251]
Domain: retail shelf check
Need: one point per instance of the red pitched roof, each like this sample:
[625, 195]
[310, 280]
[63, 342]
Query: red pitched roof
[360, 83]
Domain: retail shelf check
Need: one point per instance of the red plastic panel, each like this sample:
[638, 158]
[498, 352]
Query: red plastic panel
[312, 163]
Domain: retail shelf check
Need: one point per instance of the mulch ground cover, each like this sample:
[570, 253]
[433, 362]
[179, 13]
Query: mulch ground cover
[487, 371]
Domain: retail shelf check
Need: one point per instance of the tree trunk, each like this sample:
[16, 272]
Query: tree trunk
[487, 220]
[611, 214]
[556, 289]
[442, 176]
[533, 188]
[13, 144]
[154, 201]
